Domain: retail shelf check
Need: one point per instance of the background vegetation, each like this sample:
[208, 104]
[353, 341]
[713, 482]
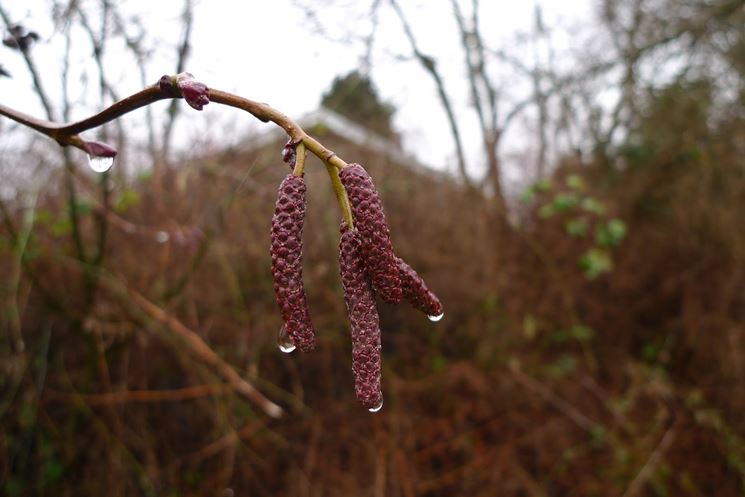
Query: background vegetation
[594, 335]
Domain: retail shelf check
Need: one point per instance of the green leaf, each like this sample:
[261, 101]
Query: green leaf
[611, 233]
[530, 326]
[595, 262]
[543, 185]
[575, 182]
[576, 227]
[528, 195]
[582, 333]
[563, 366]
[42, 216]
[565, 201]
[438, 363]
[53, 472]
[591, 204]
[83, 207]
[546, 211]
[127, 199]
[62, 227]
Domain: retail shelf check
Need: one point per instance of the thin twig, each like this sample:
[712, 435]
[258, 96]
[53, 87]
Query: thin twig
[557, 402]
[43, 98]
[144, 396]
[205, 352]
[429, 64]
[183, 52]
[637, 484]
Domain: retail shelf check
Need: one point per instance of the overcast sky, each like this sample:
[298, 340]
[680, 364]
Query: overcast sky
[270, 51]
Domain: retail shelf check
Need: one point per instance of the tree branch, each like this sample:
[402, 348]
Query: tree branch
[430, 66]
[67, 134]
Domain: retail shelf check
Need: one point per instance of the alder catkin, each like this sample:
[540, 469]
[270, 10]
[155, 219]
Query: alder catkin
[363, 316]
[416, 292]
[369, 221]
[287, 261]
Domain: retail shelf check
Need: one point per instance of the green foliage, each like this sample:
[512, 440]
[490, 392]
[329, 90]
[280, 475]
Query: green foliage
[576, 182]
[563, 366]
[596, 262]
[593, 205]
[83, 207]
[610, 233]
[355, 97]
[587, 211]
[562, 202]
[127, 199]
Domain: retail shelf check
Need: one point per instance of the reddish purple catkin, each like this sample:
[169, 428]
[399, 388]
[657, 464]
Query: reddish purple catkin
[369, 220]
[417, 293]
[363, 316]
[287, 261]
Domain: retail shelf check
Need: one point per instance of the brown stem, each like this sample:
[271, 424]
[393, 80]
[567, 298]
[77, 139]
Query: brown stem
[67, 133]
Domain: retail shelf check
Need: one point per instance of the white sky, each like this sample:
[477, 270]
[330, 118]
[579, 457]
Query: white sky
[268, 51]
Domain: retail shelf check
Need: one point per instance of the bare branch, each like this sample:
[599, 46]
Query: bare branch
[42, 94]
[209, 356]
[184, 49]
[429, 64]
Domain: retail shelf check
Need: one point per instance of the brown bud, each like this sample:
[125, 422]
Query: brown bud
[417, 293]
[289, 152]
[287, 261]
[369, 220]
[196, 94]
[99, 149]
[363, 316]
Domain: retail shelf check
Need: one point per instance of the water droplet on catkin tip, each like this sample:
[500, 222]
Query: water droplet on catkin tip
[377, 407]
[436, 318]
[100, 164]
[284, 342]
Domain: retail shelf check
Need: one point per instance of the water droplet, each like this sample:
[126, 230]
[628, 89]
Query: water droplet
[284, 342]
[434, 319]
[100, 164]
[377, 407]
[162, 237]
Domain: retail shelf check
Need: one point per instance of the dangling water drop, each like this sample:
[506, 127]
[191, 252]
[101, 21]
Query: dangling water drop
[436, 318]
[162, 237]
[100, 164]
[377, 407]
[284, 342]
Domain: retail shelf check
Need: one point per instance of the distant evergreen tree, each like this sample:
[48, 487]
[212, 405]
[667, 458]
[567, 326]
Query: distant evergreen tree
[354, 96]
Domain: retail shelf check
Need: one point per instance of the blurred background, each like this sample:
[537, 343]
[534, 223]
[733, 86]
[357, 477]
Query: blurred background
[567, 177]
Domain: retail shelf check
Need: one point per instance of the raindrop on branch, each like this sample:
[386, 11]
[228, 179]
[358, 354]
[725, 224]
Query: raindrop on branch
[100, 164]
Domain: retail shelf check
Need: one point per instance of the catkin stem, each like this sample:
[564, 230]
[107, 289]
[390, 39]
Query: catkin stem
[299, 160]
[341, 194]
